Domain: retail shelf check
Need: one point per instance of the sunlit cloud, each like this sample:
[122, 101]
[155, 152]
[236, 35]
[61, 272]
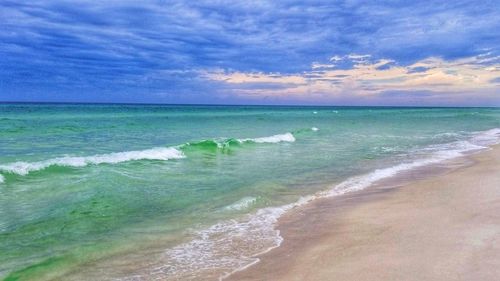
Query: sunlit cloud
[368, 78]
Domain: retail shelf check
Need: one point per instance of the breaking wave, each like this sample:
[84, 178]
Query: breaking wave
[232, 142]
[288, 137]
[160, 153]
[241, 204]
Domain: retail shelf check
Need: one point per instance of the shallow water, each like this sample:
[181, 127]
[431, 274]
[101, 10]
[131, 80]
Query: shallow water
[145, 191]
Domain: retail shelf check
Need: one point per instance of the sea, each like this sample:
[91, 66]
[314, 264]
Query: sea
[193, 192]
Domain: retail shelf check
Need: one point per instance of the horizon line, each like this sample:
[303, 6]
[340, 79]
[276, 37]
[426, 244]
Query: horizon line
[214, 104]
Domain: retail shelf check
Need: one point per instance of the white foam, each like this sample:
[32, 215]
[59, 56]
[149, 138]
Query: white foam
[2, 179]
[223, 247]
[288, 137]
[241, 204]
[315, 112]
[437, 154]
[364, 181]
[488, 137]
[160, 153]
[314, 129]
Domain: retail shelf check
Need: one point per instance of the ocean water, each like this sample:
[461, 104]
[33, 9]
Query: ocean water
[148, 192]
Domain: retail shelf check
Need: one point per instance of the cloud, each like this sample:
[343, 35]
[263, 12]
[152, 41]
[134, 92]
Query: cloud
[367, 79]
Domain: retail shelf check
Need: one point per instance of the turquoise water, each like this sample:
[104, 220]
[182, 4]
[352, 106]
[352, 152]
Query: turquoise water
[133, 191]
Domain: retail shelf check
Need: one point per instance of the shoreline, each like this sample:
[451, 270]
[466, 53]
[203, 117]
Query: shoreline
[383, 232]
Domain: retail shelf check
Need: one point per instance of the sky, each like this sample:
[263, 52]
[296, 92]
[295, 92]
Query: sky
[410, 53]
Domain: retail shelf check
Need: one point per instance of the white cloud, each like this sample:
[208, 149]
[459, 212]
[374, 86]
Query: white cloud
[358, 57]
[335, 58]
[317, 65]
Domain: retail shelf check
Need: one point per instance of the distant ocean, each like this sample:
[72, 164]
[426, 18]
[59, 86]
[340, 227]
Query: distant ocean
[140, 192]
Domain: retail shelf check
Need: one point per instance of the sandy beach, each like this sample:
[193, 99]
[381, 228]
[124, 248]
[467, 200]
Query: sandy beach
[442, 227]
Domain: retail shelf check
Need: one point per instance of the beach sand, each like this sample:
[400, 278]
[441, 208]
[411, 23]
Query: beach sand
[443, 227]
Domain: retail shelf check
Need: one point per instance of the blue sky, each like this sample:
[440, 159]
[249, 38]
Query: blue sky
[251, 52]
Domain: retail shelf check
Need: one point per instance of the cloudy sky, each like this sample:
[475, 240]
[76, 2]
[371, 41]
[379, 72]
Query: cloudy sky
[251, 52]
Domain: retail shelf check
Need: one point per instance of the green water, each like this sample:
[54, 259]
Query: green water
[70, 198]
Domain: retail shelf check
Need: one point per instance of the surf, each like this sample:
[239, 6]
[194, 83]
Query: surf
[23, 168]
[160, 153]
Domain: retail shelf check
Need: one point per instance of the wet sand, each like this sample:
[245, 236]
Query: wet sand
[444, 227]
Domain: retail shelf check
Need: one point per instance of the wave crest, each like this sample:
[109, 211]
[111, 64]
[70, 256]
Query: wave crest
[288, 137]
[160, 153]
[214, 144]
[241, 204]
